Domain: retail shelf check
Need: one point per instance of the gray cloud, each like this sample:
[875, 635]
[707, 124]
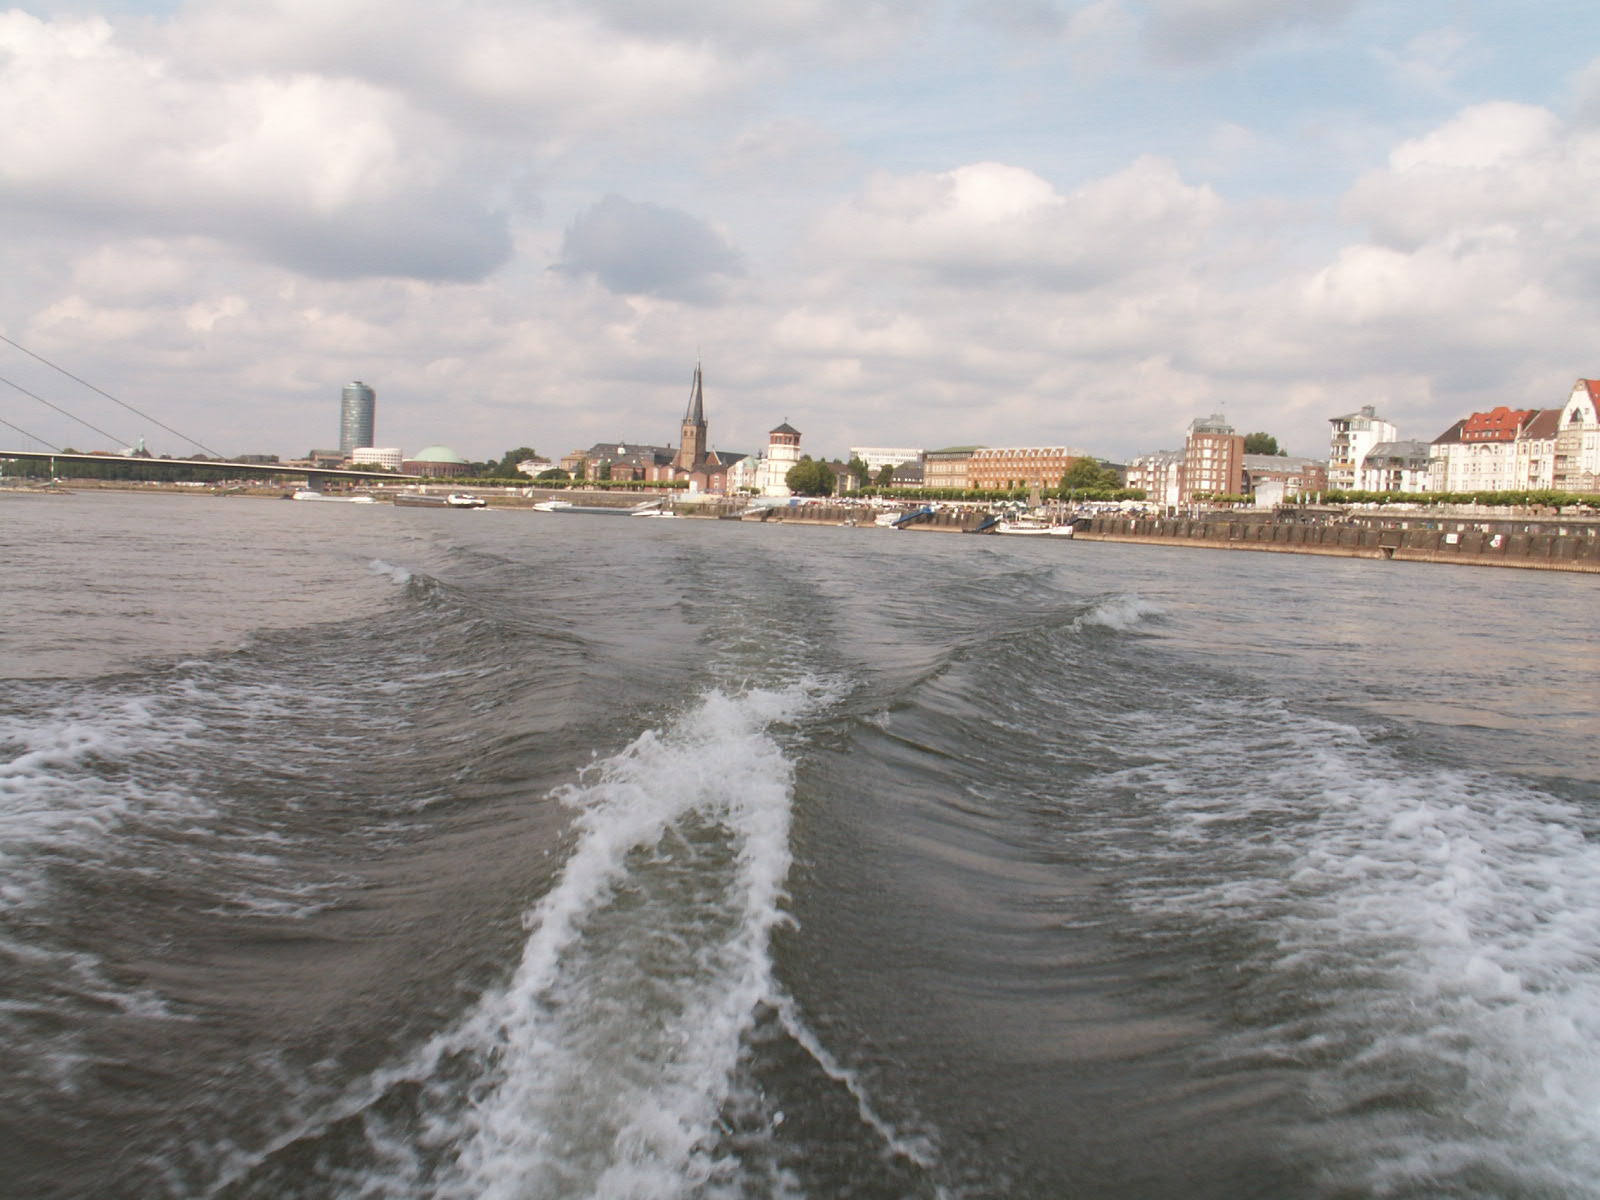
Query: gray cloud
[445, 245]
[1201, 32]
[642, 249]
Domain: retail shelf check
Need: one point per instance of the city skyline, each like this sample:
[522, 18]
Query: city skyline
[1027, 223]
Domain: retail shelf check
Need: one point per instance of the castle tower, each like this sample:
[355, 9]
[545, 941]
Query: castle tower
[692, 446]
[783, 452]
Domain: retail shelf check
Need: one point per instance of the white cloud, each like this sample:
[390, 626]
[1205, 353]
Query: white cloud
[989, 223]
[1584, 94]
[331, 176]
[545, 73]
[1499, 174]
[233, 210]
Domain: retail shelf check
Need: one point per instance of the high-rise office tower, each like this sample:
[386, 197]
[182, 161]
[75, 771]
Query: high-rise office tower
[357, 409]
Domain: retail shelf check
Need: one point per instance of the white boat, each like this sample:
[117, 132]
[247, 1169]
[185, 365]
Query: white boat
[313, 494]
[649, 508]
[592, 510]
[1032, 527]
[435, 500]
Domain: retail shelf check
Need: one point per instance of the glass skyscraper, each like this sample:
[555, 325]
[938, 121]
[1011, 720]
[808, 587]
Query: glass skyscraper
[357, 410]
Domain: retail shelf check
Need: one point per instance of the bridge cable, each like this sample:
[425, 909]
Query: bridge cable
[32, 437]
[110, 397]
[118, 441]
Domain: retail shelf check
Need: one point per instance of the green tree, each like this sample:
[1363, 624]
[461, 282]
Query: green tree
[506, 468]
[1086, 475]
[1262, 443]
[810, 478]
[886, 475]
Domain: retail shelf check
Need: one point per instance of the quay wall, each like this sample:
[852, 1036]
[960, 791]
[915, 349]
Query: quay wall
[1544, 551]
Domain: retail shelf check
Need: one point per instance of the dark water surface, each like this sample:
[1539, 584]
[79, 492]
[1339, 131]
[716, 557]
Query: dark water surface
[367, 852]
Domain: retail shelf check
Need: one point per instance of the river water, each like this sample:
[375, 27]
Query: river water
[351, 851]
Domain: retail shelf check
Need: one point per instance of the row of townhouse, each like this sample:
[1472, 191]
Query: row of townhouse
[1509, 449]
[1502, 449]
[1499, 450]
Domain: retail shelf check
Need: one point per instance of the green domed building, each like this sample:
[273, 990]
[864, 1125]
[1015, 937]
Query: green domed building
[438, 462]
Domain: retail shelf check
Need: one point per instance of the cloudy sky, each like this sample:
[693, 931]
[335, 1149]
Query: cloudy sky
[888, 222]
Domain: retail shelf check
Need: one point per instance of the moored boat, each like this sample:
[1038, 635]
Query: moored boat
[307, 493]
[1032, 527]
[436, 500]
[649, 508]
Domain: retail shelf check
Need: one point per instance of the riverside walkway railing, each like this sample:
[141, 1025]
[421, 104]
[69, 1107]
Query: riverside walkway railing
[1548, 546]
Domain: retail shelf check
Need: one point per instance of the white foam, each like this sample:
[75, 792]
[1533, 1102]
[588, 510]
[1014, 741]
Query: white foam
[399, 574]
[1436, 931]
[54, 786]
[1121, 612]
[609, 1054]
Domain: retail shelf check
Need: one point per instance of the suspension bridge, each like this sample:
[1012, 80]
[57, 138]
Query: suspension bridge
[132, 459]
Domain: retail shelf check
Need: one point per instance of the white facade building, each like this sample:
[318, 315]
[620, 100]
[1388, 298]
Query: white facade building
[1462, 466]
[387, 457]
[1576, 455]
[1397, 467]
[742, 475]
[783, 453]
[1534, 454]
[766, 475]
[1354, 436]
[1504, 449]
[1160, 476]
[878, 457]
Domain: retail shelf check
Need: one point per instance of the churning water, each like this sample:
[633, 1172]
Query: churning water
[358, 852]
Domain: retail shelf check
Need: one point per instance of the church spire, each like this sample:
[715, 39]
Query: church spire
[697, 402]
[692, 447]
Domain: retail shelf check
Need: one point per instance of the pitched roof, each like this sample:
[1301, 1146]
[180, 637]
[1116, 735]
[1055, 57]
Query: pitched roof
[696, 414]
[1497, 425]
[1545, 424]
[786, 428]
[1410, 450]
[1269, 462]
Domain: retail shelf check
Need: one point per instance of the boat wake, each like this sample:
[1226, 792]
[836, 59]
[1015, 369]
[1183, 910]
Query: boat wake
[615, 1060]
[604, 1062]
